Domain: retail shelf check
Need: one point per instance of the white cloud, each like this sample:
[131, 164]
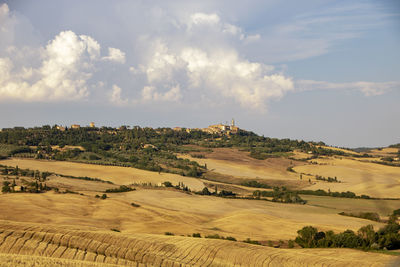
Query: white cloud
[217, 74]
[150, 93]
[7, 24]
[115, 55]
[116, 96]
[63, 74]
[367, 88]
[93, 47]
[208, 71]
[187, 56]
[58, 71]
[203, 18]
[214, 25]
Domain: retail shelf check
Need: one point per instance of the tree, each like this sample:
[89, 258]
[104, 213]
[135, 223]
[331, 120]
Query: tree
[6, 187]
[367, 233]
[347, 239]
[205, 191]
[306, 237]
[167, 184]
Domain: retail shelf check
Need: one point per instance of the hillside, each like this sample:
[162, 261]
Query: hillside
[78, 247]
[123, 196]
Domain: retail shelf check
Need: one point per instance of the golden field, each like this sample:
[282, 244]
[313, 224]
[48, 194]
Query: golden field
[78, 229]
[171, 211]
[71, 246]
[115, 174]
[367, 178]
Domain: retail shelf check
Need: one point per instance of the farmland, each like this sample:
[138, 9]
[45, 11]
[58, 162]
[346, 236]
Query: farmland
[86, 247]
[191, 200]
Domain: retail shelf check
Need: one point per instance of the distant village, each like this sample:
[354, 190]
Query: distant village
[221, 128]
[214, 129]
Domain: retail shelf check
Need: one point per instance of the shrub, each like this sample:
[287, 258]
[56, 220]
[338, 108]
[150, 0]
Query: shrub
[122, 188]
[196, 235]
[6, 187]
[104, 196]
[168, 184]
[396, 212]
[135, 205]
[115, 230]
[249, 241]
[225, 193]
[373, 216]
[214, 236]
[205, 192]
[256, 184]
[168, 233]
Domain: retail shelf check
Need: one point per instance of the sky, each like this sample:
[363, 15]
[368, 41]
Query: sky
[316, 70]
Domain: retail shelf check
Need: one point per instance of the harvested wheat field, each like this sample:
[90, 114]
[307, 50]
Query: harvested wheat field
[11, 260]
[229, 161]
[163, 211]
[372, 179]
[385, 152]
[115, 174]
[380, 206]
[95, 246]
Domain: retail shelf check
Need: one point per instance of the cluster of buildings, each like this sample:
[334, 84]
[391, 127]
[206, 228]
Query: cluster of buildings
[74, 126]
[220, 128]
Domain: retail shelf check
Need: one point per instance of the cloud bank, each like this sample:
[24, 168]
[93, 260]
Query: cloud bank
[366, 88]
[195, 57]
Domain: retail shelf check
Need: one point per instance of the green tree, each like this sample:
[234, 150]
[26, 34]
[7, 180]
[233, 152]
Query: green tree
[6, 187]
[306, 237]
[367, 234]
[205, 191]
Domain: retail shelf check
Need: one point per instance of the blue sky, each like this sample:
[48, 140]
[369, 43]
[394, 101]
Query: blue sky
[312, 70]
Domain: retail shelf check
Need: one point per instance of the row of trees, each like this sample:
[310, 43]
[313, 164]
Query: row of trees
[280, 194]
[16, 171]
[366, 237]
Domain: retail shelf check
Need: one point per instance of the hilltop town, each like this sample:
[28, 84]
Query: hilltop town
[219, 129]
[214, 129]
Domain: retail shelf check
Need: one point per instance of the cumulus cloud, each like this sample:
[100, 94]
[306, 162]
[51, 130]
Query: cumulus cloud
[367, 88]
[221, 74]
[212, 71]
[116, 96]
[63, 73]
[203, 18]
[7, 24]
[215, 25]
[149, 93]
[60, 70]
[115, 55]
